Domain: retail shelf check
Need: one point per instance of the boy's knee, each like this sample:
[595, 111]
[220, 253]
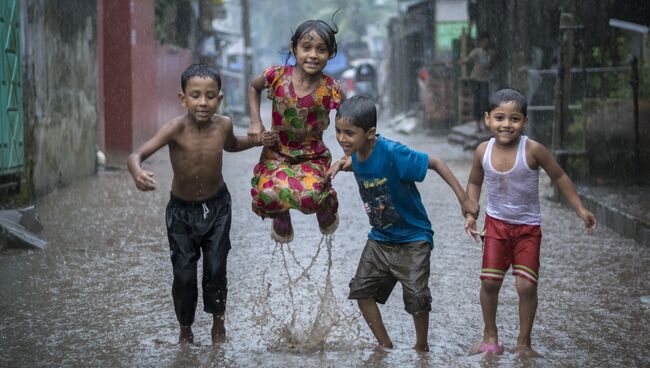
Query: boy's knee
[525, 288]
[491, 286]
[184, 281]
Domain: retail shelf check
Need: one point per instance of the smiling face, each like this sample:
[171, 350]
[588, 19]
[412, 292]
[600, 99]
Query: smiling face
[354, 139]
[311, 53]
[506, 122]
[201, 97]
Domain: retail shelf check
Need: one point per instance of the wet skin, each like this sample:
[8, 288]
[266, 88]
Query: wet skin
[311, 57]
[354, 139]
[507, 123]
[196, 143]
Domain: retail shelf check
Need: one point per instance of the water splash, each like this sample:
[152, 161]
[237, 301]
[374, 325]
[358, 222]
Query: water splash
[313, 324]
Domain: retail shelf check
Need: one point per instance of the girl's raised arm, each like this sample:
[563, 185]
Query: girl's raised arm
[256, 127]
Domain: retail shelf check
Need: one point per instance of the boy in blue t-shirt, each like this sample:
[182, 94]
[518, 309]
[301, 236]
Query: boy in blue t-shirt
[400, 242]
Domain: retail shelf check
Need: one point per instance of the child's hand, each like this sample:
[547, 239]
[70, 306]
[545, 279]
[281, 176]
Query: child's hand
[469, 206]
[255, 132]
[588, 218]
[144, 181]
[332, 171]
[344, 164]
[470, 228]
[269, 138]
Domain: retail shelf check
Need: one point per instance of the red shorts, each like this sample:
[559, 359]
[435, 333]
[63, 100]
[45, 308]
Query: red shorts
[508, 244]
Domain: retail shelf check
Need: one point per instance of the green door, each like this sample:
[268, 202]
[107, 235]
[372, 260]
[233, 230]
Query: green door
[11, 90]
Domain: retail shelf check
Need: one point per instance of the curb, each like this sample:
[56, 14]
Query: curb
[618, 221]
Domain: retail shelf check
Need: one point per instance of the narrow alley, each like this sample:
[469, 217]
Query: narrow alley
[99, 294]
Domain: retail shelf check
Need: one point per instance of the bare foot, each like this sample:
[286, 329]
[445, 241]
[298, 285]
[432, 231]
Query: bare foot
[422, 349]
[525, 352]
[380, 346]
[218, 330]
[186, 336]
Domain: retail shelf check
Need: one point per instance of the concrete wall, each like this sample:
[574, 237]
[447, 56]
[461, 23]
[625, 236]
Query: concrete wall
[60, 90]
[143, 71]
[115, 64]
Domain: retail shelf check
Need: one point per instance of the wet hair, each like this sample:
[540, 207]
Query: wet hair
[200, 71]
[326, 32]
[360, 111]
[508, 95]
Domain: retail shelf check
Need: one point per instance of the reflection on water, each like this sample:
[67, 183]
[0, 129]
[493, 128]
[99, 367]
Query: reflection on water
[100, 294]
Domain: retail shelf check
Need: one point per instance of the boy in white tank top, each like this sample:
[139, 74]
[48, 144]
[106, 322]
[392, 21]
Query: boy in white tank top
[509, 164]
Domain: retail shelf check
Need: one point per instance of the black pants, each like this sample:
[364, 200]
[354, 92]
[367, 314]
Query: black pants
[192, 228]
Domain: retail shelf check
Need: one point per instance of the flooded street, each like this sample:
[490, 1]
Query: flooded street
[99, 295]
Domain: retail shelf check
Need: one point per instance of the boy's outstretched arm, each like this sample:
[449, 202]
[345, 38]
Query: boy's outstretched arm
[343, 164]
[474, 184]
[467, 205]
[143, 179]
[236, 143]
[546, 160]
[253, 93]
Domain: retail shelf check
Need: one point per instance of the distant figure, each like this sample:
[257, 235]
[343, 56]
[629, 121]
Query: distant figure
[482, 57]
[509, 164]
[400, 242]
[290, 175]
[366, 81]
[198, 213]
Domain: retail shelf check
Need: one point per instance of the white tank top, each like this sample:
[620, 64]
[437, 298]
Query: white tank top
[513, 195]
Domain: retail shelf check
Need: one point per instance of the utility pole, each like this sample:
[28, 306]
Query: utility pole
[634, 83]
[563, 82]
[248, 62]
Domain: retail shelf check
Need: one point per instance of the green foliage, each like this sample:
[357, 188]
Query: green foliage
[616, 84]
[644, 79]
[574, 136]
[162, 7]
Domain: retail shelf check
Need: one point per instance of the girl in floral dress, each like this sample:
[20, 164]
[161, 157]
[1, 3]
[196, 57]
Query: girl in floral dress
[291, 174]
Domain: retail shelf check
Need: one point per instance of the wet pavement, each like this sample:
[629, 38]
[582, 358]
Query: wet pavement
[100, 293]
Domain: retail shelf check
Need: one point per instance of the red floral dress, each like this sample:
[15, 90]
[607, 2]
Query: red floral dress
[291, 174]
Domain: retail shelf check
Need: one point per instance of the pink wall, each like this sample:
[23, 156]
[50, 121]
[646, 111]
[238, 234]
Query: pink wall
[171, 62]
[138, 79]
[116, 77]
[143, 71]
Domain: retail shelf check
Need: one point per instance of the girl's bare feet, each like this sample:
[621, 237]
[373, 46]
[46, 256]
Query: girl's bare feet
[186, 336]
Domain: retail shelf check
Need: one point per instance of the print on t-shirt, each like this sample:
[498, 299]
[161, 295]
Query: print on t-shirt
[378, 203]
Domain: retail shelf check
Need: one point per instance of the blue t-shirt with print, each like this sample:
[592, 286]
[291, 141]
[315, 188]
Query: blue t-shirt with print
[386, 182]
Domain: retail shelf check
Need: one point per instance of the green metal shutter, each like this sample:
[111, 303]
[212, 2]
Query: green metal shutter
[11, 90]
